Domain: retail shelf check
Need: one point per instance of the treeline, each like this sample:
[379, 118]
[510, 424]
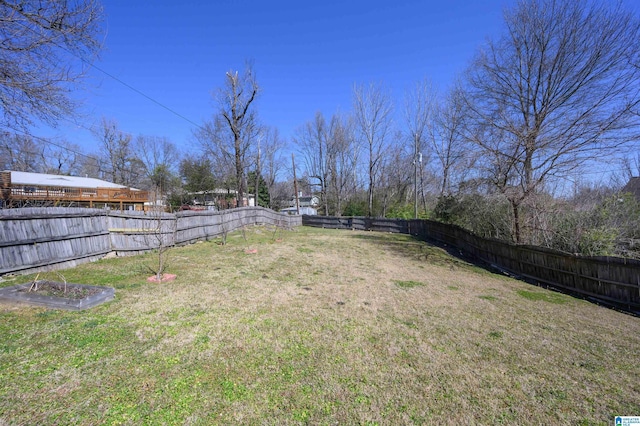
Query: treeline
[145, 162]
[513, 150]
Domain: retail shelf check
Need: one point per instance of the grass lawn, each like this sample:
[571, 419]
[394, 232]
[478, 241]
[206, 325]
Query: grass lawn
[319, 327]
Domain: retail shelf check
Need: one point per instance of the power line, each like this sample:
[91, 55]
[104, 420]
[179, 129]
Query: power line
[127, 85]
[50, 142]
[97, 160]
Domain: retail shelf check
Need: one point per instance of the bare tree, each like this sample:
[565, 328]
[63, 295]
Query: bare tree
[313, 141]
[61, 158]
[280, 195]
[236, 109]
[449, 143]
[628, 168]
[557, 90]
[342, 162]
[272, 161]
[330, 155]
[123, 166]
[396, 176]
[44, 44]
[216, 144]
[20, 153]
[90, 166]
[420, 105]
[156, 151]
[160, 158]
[159, 234]
[372, 111]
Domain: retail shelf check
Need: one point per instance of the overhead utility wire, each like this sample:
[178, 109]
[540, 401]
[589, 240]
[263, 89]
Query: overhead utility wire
[140, 92]
[99, 162]
[127, 85]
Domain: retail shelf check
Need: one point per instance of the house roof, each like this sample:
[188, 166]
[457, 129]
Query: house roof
[633, 186]
[43, 179]
[220, 191]
[305, 197]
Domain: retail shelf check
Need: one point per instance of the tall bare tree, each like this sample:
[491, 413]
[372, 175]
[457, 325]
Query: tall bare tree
[397, 175]
[313, 141]
[160, 158]
[272, 161]
[556, 91]
[122, 165]
[44, 44]
[343, 155]
[216, 144]
[236, 101]
[372, 108]
[330, 154]
[449, 143]
[420, 106]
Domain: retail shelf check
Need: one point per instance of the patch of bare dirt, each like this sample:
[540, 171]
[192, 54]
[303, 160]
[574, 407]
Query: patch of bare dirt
[60, 289]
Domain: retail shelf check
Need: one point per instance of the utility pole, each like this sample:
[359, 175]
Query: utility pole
[295, 183]
[257, 176]
[415, 178]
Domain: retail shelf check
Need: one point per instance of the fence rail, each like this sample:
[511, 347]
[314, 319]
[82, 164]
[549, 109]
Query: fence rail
[612, 280]
[46, 238]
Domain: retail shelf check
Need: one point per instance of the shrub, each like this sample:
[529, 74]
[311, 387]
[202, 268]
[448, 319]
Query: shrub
[355, 208]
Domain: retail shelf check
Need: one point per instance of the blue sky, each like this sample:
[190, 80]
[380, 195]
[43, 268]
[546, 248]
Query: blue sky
[306, 55]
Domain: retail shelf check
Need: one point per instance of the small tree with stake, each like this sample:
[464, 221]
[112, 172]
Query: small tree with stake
[160, 235]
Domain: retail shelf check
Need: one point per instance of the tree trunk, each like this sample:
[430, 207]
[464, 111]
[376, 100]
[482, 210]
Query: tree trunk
[370, 208]
[240, 181]
[515, 208]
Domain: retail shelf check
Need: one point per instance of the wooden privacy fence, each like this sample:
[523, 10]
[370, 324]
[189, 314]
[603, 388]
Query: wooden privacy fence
[49, 238]
[31, 239]
[611, 280]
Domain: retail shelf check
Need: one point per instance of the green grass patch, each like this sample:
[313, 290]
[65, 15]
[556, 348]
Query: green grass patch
[408, 284]
[546, 296]
[495, 334]
[487, 297]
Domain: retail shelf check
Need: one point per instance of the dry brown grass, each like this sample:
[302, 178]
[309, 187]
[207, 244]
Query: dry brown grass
[325, 327]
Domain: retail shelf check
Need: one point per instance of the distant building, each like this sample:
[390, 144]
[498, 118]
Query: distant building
[305, 201]
[220, 199]
[633, 187]
[303, 210]
[25, 189]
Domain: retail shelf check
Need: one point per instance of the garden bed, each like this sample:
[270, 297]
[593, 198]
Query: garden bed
[58, 295]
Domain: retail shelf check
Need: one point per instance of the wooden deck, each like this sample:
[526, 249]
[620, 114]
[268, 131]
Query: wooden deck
[120, 198]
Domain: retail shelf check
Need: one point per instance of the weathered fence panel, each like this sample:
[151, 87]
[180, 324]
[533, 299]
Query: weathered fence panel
[37, 239]
[608, 279]
[33, 238]
[133, 232]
